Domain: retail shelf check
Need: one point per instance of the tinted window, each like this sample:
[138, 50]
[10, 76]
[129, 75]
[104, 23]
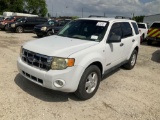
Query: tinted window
[141, 26]
[41, 19]
[155, 25]
[115, 30]
[31, 19]
[127, 30]
[135, 28]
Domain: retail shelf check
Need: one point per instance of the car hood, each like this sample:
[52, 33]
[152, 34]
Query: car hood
[58, 46]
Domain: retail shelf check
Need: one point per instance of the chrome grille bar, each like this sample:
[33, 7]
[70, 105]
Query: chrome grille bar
[36, 60]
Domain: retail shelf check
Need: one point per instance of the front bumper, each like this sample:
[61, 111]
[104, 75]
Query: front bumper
[39, 32]
[2, 26]
[71, 76]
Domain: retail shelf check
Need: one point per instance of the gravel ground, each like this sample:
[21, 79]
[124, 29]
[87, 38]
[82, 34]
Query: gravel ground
[123, 94]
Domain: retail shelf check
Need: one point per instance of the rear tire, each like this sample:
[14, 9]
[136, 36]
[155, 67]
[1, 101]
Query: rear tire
[89, 83]
[142, 38]
[132, 61]
[19, 29]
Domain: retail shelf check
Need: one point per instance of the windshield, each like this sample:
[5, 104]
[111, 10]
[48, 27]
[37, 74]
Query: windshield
[50, 22]
[85, 29]
[155, 25]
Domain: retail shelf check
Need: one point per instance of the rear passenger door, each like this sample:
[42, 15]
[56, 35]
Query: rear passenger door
[30, 24]
[127, 38]
[40, 21]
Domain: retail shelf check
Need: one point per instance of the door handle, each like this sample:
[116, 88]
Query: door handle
[121, 44]
[133, 40]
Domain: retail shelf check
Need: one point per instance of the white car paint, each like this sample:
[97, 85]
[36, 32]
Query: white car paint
[84, 52]
[143, 31]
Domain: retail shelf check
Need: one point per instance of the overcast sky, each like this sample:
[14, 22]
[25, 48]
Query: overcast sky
[98, 7]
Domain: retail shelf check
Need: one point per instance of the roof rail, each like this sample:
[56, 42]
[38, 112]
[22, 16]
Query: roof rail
[97, 16]
[122, 17]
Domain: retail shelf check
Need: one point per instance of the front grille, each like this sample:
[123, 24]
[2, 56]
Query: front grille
[36, 60]
[33, 77]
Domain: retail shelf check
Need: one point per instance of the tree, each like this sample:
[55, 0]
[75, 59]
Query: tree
[138, 18]
[11, 5]
[24, 6]
[36, 7]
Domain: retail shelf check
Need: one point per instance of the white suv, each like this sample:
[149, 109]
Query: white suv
[77, 57]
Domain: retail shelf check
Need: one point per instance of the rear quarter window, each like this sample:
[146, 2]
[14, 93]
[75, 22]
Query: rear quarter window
[135, 28]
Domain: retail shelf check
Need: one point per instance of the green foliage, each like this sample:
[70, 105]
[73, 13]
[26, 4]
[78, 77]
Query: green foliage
[75, 17]
[11, 5]
[27, 6]
[138, 18]
[36, 7]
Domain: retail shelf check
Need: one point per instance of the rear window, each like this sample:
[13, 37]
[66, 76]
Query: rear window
[155, 25]
[141, 26]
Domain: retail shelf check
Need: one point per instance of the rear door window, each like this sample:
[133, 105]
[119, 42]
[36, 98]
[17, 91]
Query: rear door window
[135, 28]
[41, 20]
[127, 30]
[31, 19]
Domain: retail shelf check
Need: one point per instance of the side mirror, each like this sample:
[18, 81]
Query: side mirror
[114, 39]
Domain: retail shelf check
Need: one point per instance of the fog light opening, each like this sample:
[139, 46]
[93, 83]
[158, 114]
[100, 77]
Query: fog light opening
[59, 83]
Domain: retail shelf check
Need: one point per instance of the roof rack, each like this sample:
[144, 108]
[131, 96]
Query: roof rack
[122, 17]
[97, 16]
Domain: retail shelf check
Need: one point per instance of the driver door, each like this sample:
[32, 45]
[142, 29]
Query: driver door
[114, 50]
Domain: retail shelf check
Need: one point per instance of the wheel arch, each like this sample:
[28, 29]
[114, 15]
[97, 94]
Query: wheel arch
[99, 65]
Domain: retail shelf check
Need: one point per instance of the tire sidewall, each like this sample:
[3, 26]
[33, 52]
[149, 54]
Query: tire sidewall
[18, 30]
[49, 33]
[133, 53]
[81, 91]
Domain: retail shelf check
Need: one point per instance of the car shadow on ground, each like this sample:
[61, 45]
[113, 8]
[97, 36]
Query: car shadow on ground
[41, 93]
[156, 56]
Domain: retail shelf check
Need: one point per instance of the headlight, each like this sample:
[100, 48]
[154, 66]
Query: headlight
[62, 63]
[13, 25]
[44, 28]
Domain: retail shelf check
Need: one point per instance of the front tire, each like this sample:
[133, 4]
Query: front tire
[132, 61]
[39, 35]
[19, 29]
[89, 83]
[49, 33]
